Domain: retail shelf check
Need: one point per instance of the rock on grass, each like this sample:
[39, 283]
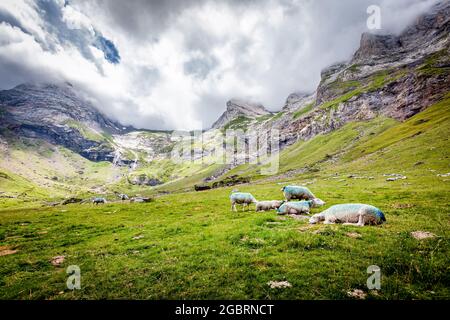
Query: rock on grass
[354, 235]
[57, 261]
[5, 250]
[357, 294]
[279, 284]
[420, 235]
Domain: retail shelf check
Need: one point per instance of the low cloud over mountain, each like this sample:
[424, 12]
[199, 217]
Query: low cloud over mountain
[174, 64]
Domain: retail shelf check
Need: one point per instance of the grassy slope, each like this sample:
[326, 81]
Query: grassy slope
[194, 247]
[39, 171]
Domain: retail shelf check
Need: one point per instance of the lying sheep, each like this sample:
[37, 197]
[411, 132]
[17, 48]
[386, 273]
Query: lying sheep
[295, 207]
[268, 205]
[301, 193]
[350, 214]
[98, 200]
[141, 199]
[241, 198]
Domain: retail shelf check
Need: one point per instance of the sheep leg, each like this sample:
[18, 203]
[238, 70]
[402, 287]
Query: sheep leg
[330, 220]
[360, 222]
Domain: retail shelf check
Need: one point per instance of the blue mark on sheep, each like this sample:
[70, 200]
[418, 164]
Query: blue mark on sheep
[299, 206]
[350, 213]
[301, 193]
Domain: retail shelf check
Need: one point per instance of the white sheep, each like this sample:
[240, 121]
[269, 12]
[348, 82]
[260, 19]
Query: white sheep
[268, 205]
[350, 214]
[301, 193]
[241, 198]
[295, 207]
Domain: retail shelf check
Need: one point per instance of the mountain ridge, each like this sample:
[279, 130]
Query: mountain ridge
[239, 108]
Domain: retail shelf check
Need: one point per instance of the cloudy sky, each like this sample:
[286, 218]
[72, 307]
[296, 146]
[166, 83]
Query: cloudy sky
[173, 64]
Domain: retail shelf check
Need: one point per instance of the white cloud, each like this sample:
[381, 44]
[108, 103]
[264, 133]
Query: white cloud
[76, 20]
[182, 60]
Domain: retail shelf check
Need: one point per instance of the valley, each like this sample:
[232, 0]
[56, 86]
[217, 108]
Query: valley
[384, 113]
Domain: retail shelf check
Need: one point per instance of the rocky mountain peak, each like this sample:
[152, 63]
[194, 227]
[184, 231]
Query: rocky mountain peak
[58, 114]
[427, 31]
[247, 108]
[240, 108]
[375, 45]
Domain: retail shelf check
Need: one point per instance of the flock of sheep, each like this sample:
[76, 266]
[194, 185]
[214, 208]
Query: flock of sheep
[349, 214]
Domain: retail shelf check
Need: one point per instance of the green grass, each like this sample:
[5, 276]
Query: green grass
[264, 118]
[193, 247]
[304, 110]
[431, 65]
[354, 68]
[338, 84]
[341, 99]
[86, 132]
[278, 115]
[349, 89]
[240, 123]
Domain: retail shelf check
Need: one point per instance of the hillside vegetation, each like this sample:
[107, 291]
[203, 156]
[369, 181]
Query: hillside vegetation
[190, 245]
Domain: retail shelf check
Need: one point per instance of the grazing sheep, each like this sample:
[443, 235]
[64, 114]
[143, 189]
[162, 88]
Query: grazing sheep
[350, 214]
[301, 193]
[268, 205]
[295, 207]
[123, 197]
[241, 198]
[98, 200]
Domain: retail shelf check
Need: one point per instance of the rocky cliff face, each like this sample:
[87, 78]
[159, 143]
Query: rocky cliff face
[394, 76]
[239, 108]
[57, 114]
[389, 75]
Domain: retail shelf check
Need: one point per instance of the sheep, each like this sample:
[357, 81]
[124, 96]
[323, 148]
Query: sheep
[123, 197]
[301, 193]
[355, 214]
[295, 207]
[268, 205]
[141, 199]
[241, 198]
[98, 200]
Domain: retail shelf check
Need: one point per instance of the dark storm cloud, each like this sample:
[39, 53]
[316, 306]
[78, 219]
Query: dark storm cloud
[146, 19]
[8, 18]
[52, 14]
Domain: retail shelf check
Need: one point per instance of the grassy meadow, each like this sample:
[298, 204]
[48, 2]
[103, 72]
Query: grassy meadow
[189, 245]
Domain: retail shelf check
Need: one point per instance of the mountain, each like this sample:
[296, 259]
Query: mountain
[239, 109]
[395, 76]
[389, 79]
[59, 115]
